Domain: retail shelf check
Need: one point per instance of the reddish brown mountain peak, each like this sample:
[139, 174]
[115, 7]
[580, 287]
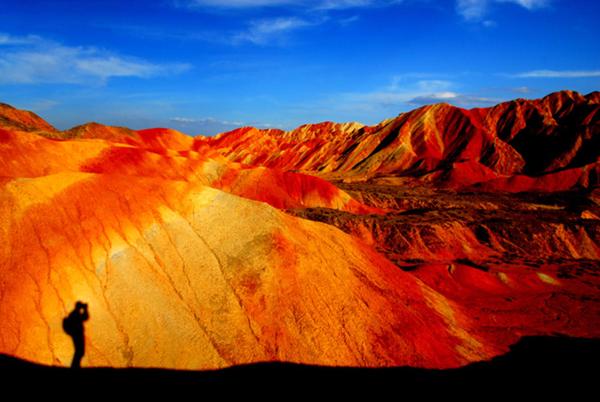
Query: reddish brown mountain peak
[565, 95]
[23, 120]
[435, 111]
[443, 106]
[313, 127]
[329, 125]
[522, 136]
[326, 130]
[227, 138]
[320, 124]
[95, 130]
[554, 98]
[236, 132]
[165, 138]
[7, 106]
[424, 108]
[593, 97]
[89, 126]
[562, 102]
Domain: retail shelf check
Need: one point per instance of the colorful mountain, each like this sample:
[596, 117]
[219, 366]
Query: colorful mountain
[443, 145]
[434, 239]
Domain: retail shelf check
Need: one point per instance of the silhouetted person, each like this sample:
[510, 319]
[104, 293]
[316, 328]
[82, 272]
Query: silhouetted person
[73, 326]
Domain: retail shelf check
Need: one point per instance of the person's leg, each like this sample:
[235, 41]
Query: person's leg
[79, 345]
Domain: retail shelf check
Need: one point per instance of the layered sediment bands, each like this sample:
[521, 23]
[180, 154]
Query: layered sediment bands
[525, 264]
[183, 276]
[288, 190]
[29, 155]
[445, 238]
[442, 145]
[438, 236]
[442, 225]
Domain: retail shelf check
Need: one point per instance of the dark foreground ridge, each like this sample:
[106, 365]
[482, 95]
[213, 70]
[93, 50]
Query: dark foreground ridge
[544, 364]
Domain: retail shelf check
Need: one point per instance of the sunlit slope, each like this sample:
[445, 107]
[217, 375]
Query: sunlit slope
[25, 154]
[184, 276]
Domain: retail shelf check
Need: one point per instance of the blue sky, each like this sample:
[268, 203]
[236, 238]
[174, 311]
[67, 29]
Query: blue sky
[205, 66]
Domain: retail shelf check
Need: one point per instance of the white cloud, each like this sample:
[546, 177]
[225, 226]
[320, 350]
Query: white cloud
[32, 60]
[528, 4]
[472, 9]
[207, 120]
[210, 125]
[261, 32]
[475, 10]
[9, 40]
[239, 3]
[310, 4]
[439, 97]
[558, 74]
[398, 92]
[403, 92]
[343, 4]
[347, 21]
[183, 120]
[453, 98]
[296, 14]
[434, 85]
[522, 90]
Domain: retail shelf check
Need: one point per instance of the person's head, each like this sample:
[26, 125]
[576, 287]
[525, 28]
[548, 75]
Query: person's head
[80, 305]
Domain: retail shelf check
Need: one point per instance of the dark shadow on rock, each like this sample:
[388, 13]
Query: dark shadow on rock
[537, 365]
[73, 325]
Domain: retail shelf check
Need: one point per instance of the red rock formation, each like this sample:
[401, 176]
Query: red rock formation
[192, 252]
[180, 275]
[22, 120]
[455, 146]
[29, 155]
